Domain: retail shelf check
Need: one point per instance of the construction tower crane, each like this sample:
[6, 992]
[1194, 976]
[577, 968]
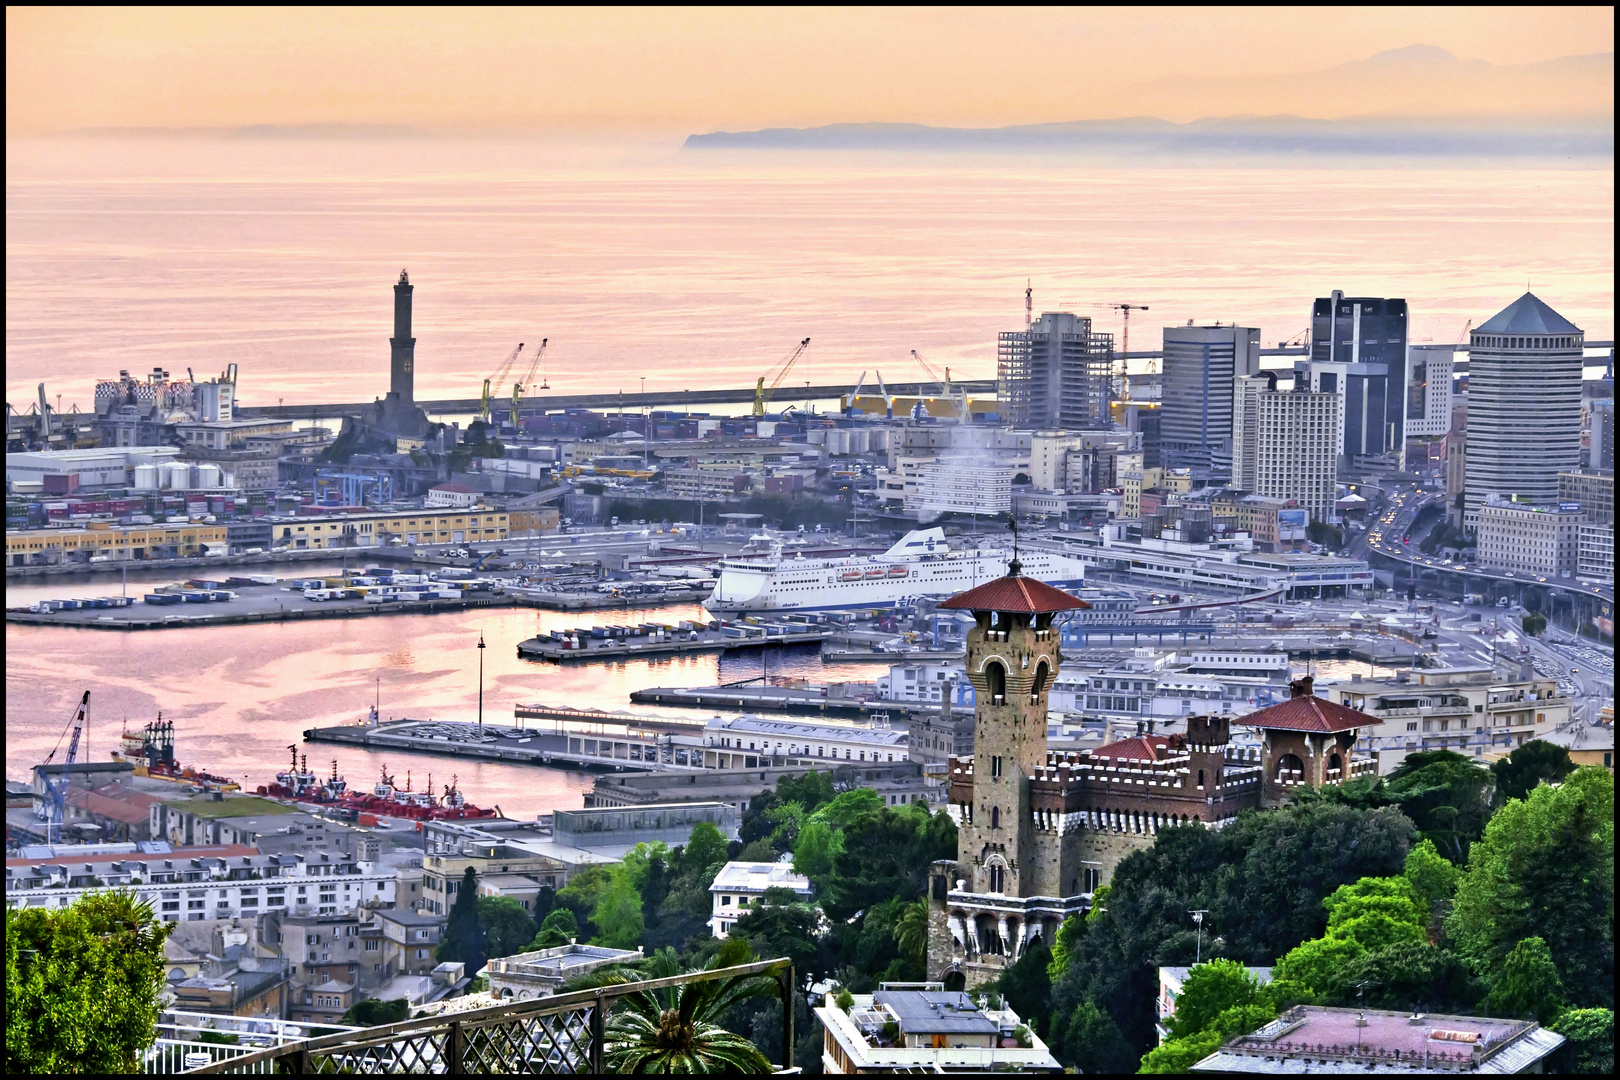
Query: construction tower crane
[1125, 346]
[762, 393]
[56, 792]
[528, 380]
[496, 381]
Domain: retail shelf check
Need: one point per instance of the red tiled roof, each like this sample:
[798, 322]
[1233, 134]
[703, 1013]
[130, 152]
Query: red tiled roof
[1024, 595]
[1137, 748]
[1307, 713]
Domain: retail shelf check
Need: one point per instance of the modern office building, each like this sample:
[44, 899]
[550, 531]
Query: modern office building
[1524, 406]
[1358, 350]
[1195, 420]
[1055, 374]
[1600, 441]
[1593, 490]
[1246, 391]
[1293, 444]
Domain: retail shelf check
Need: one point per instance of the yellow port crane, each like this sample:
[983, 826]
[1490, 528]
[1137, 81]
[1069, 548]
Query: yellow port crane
[959, 405]
[495, 381]
[762, 393]
[528, 380]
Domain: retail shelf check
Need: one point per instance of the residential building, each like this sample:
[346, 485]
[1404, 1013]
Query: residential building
[922, 1027]
[330, 960]
[1296, 441]
[957, 485]
[1172, 979]
[1593, 490]
[529, 975]
[1469, 710]
[739, 884]
[105, 540]
[1541, 540]
[239, 992]
[1524, 392]
[1600, 436]
[1311, 1038]
[1358, 350]
[1429, 394]
[1055, 374]
[408, 940]
[1246, 391]
[195, 883]
[1195, 419]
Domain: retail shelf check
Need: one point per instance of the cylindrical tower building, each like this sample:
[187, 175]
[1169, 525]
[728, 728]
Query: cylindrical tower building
[1524, 406]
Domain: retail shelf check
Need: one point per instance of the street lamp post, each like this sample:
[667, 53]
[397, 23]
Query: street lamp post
[480, 684]
[1198, 918]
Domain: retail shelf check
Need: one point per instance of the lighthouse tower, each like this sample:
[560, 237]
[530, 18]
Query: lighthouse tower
[403, 365]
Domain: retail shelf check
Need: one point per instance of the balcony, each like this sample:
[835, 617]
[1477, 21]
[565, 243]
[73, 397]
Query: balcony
[560, 1034]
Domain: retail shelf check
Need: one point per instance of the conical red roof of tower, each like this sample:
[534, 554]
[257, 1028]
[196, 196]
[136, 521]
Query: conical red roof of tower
[1015, 593]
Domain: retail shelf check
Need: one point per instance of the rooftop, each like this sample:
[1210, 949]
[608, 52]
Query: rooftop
[229, 806]
[1138, 748]
[746, 876]
[1306, 712]
[1314, 1039]
[810, 729]
[1015, 593]
[1529, 314]
[930, 1012]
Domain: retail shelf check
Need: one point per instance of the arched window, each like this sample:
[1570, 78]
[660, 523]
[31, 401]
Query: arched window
[1289, 767]
[997, 881]
[995, 677]
[995, 817]
[1200, 777]
[1335, 762]
[1042, 672]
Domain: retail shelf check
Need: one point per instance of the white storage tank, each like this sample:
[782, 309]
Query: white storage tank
[146, 478]
[208, 476]
[176, 475]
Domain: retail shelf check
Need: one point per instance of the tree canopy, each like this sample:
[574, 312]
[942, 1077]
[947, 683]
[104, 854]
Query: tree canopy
[82, 984]
[1536, 762]
[506, 925]
[464, 933]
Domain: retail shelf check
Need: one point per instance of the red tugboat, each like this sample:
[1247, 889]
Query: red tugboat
[386, 798]
[151, 751]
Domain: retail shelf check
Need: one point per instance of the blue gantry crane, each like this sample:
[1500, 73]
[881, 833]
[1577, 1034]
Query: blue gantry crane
[56, 791]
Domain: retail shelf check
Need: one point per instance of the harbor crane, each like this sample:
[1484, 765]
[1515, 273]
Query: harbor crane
[496, 381]
[849, 402]
[960, 405]
[528, 380]
[56, 792]
[762, 393]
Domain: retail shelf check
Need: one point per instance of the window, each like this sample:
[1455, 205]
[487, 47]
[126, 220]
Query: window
[995, 820]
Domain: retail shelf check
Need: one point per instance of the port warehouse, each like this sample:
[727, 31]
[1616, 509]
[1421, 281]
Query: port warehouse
[301, 533]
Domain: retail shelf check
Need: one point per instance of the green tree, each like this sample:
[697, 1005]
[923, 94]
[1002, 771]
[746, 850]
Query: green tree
[886, 857]
[1312, 965]
[1209, 990]
[617, 914]
[679, 1030]
[463, 933]
[706, 848]
[1447, 796]
[1068, 936]
[82, 985]
[506, 925]
[1590, 1045]
[556, 929]
[1545, 867]
[1180, 1055]
[810, 790]
[374, 1012]
[1098, 1046]
[1027, 986]
[780, 924]
[911, 935]
[1432, 876]
[1534, 625]
[817, 846]
[1536, 762]
[1405, 975]
[1392, 897]
[847, 806]
[1529, 986]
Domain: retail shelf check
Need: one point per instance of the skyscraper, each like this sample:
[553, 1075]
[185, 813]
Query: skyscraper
[1358, 349]
[1055, 374]
[1200, 364]
[1524, 405]
[1296, 444]
[1246, 391]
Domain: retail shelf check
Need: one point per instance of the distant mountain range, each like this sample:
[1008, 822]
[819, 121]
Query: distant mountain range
[1274, 135]
[1416, 101]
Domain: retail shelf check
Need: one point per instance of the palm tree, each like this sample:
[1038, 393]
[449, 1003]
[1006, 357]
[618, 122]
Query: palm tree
[677, 1030]
[911, 933]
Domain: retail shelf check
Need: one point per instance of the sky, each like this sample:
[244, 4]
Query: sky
[684, 70]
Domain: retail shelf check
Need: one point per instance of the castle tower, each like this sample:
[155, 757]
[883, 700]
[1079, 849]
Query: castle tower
[1010, 893]
[403, 363]
[1308, 741]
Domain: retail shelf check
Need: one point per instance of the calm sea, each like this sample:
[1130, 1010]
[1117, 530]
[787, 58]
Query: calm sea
[638, 261]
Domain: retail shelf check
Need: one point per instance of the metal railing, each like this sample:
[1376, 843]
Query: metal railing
[565, 1033]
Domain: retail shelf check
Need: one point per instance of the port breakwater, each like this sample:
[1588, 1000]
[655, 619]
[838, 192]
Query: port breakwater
[612, 649]
[632, 749]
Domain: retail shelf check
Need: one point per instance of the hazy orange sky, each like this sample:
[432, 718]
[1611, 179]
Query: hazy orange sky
[682, 70]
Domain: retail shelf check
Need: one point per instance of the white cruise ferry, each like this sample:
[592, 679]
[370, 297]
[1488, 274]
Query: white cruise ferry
[920, 565]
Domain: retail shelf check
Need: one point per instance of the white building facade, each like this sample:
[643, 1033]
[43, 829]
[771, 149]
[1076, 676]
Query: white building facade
[1541, 540]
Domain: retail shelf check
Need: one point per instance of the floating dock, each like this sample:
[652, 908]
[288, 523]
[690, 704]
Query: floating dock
[593, 649]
